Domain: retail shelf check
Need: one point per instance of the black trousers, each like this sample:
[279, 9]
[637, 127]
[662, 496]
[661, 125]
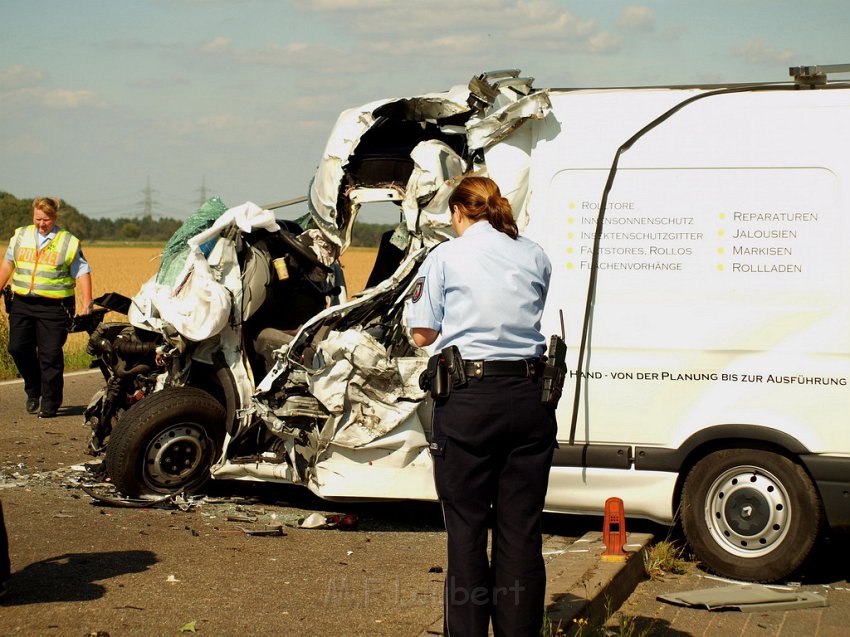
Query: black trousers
[5, 565]
[492, 445]
[38, 329]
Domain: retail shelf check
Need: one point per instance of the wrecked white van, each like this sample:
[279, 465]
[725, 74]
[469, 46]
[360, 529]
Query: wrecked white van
[700, 241]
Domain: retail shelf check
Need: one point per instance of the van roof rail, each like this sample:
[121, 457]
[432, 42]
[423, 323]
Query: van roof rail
[814, 75]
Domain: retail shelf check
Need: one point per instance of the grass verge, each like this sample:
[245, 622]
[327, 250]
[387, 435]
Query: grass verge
[665, 557]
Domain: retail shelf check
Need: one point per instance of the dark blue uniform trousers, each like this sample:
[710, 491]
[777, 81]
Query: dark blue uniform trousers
[38, 329]
[492, 444]
[5, 564]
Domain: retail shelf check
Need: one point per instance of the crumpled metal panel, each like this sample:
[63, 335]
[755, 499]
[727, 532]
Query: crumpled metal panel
[362, 388]
[509, 104]
[435, 167]
[493, 127]
[748, 598]
[346, 134]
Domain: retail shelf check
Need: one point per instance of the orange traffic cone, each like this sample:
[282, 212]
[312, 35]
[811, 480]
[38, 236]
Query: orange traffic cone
[614, 531]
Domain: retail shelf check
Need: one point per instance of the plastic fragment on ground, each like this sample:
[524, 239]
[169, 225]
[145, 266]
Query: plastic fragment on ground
[747, 598]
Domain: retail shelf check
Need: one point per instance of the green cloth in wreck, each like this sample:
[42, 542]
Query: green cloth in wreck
[177, 249]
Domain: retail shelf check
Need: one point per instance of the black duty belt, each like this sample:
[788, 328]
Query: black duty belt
[34, 299]
[527, 367]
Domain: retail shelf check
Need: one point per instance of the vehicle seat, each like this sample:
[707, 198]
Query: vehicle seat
[386, 262]
[267, 341]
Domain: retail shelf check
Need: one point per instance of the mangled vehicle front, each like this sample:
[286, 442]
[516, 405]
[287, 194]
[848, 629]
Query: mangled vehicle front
[259, 364]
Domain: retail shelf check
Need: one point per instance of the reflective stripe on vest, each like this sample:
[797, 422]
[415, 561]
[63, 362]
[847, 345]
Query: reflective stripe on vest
[44, 272]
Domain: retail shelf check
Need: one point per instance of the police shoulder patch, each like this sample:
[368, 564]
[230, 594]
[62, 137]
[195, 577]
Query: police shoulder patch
[418, 288]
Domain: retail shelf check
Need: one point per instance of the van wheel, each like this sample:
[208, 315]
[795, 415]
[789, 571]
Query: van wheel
[166, 443]
[750, 514]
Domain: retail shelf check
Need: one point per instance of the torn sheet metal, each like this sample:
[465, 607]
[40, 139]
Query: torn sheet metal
[345, 136]
[493, 127]
[747, 598]
[362, 388]
[482, 115]
[435, 167]
[509, 165]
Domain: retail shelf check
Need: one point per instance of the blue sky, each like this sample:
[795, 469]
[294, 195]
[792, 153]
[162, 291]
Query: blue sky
[99, 96]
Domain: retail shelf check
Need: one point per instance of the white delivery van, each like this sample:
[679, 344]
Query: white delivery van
[716, 361]
[700, 241]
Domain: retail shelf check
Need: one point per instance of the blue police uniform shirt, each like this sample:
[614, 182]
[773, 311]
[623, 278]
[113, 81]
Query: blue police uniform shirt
[79, 265]
[483, 292]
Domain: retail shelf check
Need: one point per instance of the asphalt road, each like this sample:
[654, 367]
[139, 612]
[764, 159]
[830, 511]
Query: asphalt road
[84, 569]
[80, 568]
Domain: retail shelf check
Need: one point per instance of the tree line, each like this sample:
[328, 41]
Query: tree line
[15, 213]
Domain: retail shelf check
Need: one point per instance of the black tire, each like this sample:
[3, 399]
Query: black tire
[750, 514]
[166, 443]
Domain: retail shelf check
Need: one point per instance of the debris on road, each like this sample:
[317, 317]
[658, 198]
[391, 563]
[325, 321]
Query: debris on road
[267, 530]
[334, 521]
[746, 598]
[120, 501]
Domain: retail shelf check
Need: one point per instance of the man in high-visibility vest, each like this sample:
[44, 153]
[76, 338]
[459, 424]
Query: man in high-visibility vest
[44, 263]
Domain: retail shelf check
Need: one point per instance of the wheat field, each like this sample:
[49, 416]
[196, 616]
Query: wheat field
[124, 269]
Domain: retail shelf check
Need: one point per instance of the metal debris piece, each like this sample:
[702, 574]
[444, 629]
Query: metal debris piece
[267, 530]
[747, 598]
[184, 502]
[128, 503]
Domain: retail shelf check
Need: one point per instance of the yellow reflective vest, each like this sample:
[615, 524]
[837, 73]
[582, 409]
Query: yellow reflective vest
[45, 272]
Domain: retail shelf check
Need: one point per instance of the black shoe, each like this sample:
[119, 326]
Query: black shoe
[47, 413]
[32, 405]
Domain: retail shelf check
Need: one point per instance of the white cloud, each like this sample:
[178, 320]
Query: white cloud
[340, 5]
[554, 28]
[312, 57]
[19, 75]
[603, 43]
[221, 127]
[51, 98]
[169, 82]
[452, 46]
[402, 27]
[637, 19]
[673, 33]
[25, 145]
[66, 98]
[756, 51]
[217, 45]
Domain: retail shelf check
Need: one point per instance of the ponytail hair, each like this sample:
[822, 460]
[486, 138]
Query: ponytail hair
[480, 198]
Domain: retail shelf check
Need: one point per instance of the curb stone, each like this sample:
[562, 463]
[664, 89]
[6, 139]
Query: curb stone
[579, 584]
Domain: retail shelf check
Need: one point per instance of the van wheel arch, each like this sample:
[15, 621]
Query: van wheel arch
[698, 453]
[218, 381]
[749, 512]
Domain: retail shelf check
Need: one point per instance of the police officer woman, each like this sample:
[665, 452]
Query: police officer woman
[44, 263]
[492, 438]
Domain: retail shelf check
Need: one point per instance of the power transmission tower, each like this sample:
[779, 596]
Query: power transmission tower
[148, 201]
[203, 191]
